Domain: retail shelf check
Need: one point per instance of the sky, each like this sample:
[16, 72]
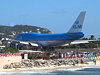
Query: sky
[55, 15]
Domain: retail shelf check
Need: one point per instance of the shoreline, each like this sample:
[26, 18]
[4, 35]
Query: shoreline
[51, 68]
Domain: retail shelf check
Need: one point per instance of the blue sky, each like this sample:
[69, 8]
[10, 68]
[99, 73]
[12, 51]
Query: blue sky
[56, 15]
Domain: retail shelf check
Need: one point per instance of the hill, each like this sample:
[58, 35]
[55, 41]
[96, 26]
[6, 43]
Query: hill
[12, 30]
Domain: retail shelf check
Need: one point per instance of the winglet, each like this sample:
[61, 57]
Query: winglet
[77, 26]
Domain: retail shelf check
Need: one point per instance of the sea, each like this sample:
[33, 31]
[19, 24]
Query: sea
[88, 70]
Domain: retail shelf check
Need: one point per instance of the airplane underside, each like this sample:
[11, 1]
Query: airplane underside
[50, 45]
[53, 43]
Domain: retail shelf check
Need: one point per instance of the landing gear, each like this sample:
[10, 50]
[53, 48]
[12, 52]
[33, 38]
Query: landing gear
[48, 49]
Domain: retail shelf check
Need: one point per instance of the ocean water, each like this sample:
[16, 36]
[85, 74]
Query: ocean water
[92, 70]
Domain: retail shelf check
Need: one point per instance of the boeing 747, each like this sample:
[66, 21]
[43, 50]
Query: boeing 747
[52, 40]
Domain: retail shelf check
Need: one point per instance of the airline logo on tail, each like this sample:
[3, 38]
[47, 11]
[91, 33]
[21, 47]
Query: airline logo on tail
[76, 22]
[77, 26]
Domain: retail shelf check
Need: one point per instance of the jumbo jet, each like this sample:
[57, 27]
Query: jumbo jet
[52, 40]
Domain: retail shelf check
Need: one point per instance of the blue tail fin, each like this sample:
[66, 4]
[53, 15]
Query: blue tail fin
[77, 26]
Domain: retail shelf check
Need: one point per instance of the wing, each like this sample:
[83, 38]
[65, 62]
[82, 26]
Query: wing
[31, 43]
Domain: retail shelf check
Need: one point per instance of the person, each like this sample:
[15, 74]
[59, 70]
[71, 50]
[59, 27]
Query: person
[94, 61]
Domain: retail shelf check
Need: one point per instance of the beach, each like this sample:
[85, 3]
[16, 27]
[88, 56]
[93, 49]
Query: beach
[70, 61]
[52, 67]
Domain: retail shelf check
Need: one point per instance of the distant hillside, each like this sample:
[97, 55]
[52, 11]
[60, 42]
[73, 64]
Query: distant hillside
[10, 30]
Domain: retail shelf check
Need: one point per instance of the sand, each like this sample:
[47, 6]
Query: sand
[51, 67]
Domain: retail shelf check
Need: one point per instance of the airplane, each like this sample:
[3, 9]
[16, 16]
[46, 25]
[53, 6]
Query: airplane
[54, 39]
[76, 42]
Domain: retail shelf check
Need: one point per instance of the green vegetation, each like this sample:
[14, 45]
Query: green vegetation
[32, 56]
[92, 37]
[10, 50]
[47, 53]
[10, 30]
